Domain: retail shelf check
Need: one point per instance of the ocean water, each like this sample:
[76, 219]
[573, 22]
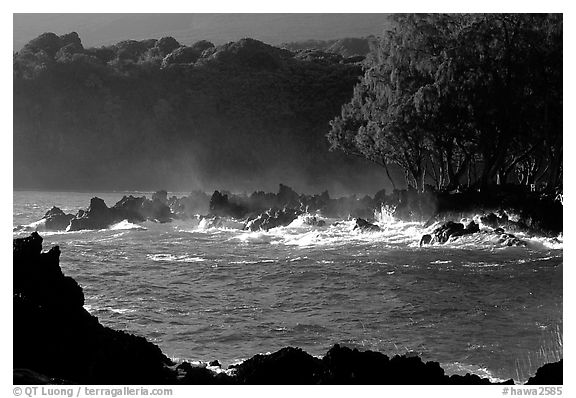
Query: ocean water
[221, 293]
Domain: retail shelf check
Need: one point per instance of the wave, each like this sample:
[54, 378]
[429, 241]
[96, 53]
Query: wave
[174, 258]
[125, 224]
[462, 369]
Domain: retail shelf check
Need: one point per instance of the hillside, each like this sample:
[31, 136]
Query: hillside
[153, 113]
[347, 47]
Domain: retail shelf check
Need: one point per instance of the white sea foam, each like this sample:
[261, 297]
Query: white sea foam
[174, 258]
[462, 369]
[125, 224]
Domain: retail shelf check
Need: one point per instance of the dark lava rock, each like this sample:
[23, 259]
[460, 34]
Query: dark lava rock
[365, 226]
[287, 366]
[156, 210]
[56, 219]
[195, 203]
[221, 206]
[56, 337]
[98, 216]
[449, 230]
[426, 239]
[314, 221]
[130, 208]
[446, 230]
[511, 240]
[271, 219]
[350, 366]
[550, 373]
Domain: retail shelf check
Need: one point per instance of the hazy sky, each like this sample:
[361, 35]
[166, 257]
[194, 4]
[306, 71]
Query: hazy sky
[102, 29]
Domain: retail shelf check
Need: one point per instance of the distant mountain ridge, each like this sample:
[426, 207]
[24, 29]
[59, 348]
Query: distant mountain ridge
[106, 29]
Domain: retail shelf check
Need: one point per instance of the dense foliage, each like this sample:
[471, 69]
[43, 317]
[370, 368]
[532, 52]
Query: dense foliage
[462, 99]
[153, 113]
[347, 47]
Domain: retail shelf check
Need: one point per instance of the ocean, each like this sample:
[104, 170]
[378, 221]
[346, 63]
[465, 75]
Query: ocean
[204, 293]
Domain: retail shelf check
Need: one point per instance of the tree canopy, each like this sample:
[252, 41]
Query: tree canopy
[461, 99]
[155, 113]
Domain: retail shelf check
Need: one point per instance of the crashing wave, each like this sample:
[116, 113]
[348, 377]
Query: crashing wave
[125, 224]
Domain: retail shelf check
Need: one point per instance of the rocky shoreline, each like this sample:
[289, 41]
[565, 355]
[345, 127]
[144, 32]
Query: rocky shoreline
[56, 341]
[503, 211]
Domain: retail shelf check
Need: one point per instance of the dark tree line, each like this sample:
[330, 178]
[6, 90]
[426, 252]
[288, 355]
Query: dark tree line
[461, 99]
[156, 113]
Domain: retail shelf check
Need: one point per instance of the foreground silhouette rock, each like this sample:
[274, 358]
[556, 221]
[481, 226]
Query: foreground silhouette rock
[56, 337]
[56, 341]
[551, 373]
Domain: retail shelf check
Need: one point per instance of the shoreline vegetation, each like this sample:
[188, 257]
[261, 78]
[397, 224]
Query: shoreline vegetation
[56, 341]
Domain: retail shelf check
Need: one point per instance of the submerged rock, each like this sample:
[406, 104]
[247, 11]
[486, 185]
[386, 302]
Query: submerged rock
[272, 218]
[449, 230]
[314, 221]
[365, 226]
[511, 240]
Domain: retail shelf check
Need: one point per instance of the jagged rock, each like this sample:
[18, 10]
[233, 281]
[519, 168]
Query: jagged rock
[286, 366]
[56, 220]
[450, 230]
[272, 218]
[287, 197]
[221, 206]
[51, 328]
[189, 206]
[426, 239]
[97, 216]
[365, 226]
[129, 208]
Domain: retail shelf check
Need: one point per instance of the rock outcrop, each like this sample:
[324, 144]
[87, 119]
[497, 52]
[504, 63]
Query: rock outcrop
[131, 208]
[56, 337]
[56, 220]
[272, 218]
[365, 226]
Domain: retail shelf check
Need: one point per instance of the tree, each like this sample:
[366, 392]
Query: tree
[461, 95]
